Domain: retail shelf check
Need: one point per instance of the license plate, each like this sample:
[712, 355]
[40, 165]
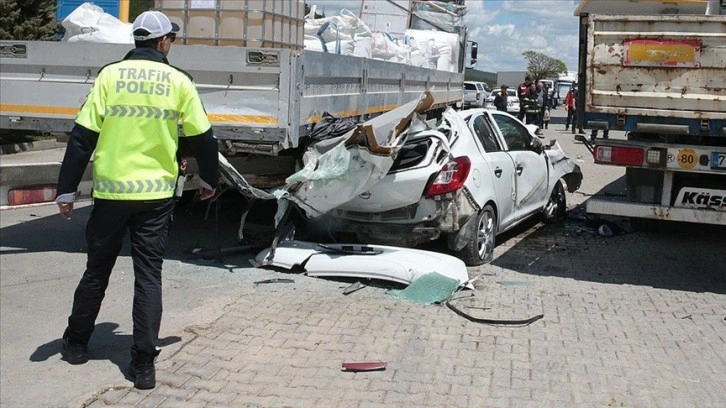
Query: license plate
[718, 160]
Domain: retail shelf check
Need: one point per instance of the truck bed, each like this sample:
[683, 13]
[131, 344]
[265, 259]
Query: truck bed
[261, 100]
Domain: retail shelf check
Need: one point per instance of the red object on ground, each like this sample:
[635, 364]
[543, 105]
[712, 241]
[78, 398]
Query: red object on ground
[364, 366]
[32, 194]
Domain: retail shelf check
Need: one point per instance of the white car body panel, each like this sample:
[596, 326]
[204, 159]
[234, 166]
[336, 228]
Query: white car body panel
[502, 179]
[531, 182]
[400, 265]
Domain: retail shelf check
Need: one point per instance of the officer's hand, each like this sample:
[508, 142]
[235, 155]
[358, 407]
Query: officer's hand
[205, 193]
[66, 210]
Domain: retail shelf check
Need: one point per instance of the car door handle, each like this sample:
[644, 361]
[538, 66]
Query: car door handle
[519, 170]
[498, 172]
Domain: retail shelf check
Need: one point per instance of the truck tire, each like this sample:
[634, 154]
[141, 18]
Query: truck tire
[556, 208]
[480, 248]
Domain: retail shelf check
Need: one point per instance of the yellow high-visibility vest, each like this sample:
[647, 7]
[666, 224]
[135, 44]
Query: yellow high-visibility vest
[135, 106]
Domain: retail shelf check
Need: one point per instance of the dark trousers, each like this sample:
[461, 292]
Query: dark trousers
[570, 118]
[148, 223]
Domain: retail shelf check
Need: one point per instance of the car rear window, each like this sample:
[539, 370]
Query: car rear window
[470, 87]
[411, 154]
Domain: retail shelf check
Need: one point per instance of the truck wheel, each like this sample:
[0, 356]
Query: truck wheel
[556, 207]
[480, 248]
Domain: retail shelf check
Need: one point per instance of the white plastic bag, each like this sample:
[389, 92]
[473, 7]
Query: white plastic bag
[88, 22]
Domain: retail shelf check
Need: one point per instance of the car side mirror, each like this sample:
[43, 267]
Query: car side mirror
[536, 145]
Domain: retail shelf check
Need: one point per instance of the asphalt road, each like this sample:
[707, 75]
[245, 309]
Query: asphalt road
[636, 319]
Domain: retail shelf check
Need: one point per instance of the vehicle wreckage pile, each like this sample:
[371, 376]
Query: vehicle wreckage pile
[400, 179]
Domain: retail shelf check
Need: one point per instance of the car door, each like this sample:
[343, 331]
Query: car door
[530, 167]
[497, 177]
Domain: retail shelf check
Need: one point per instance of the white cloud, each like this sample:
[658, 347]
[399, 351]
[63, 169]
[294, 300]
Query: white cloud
[500, 29]
[546, 26]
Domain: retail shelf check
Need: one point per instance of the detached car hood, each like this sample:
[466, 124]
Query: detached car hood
[400, 265]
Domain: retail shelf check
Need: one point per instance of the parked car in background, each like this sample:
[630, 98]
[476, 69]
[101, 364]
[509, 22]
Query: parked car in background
[473, 94]
[474, 174]
[512, 100]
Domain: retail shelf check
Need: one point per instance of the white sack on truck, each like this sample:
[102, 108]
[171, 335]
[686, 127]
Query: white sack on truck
[345, 34]
[90, 23]
[434, 49]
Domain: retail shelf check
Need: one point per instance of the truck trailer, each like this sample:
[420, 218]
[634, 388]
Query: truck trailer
[263, 95]
[660, 78]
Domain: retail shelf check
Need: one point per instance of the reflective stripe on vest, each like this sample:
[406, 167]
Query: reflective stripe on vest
[141, 112]
[132, 186]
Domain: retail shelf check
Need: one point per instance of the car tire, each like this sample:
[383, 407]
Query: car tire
[480, 248]
[556, 208]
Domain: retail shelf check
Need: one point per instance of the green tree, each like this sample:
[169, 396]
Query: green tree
[27, 20]
[542, 66]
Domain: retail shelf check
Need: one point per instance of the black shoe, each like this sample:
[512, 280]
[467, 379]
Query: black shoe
[567, 127]
[143, 374]
[75, 353]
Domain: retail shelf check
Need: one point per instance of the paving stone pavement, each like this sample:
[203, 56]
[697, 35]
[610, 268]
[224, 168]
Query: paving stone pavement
[636, 320]
[633, 320]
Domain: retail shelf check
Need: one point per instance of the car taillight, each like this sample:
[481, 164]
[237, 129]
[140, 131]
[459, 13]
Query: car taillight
[478, 95]
[451, 177]
[626, 156]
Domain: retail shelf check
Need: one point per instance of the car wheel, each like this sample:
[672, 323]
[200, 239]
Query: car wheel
[480, 248]
[556, 207]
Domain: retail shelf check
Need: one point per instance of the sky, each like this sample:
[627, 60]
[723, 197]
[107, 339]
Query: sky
[505, 29]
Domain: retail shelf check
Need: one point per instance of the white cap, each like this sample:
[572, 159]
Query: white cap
[156, 23]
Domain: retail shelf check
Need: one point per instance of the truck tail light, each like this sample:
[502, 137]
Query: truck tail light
[618, 155]
[450, 178]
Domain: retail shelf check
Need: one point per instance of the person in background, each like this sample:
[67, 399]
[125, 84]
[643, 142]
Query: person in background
[532, 108]
[500, 101]
[543, 100]
[546, 117]
[593, 134]
[570, 108]
[130, 120]
[522, 90]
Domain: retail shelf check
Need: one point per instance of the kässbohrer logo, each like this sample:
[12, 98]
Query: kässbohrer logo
[701, 198]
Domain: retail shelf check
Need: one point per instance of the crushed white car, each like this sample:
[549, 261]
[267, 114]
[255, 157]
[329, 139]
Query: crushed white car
[474, 174]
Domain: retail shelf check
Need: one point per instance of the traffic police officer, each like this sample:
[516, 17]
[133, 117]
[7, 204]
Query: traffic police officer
[130, 119]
